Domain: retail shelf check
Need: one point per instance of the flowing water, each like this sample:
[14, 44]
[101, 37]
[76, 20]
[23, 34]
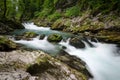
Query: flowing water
[103, 60]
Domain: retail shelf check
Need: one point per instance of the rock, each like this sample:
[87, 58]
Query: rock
[35, 65]
[13, 64]
[58, 25]
[94, 40]
[26, 36]
[29, 34]
[76, 42]
[54, 38]
[109, 36]
[73, 62]
[6, 44]
[86, 40]
[18, 37]
[64, 47]
[7, 26]
[87, 33]
[42, 36]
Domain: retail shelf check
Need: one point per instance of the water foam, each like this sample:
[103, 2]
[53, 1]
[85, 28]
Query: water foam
[102, 61]
[34, 27]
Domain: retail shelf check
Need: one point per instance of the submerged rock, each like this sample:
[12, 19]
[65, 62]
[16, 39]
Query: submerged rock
[54, 38]
[6, 44]
[42, 36]
[76, 42]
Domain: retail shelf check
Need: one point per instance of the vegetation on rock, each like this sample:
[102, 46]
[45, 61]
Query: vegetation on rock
[6, 44]
[54, 38]
[76, 42]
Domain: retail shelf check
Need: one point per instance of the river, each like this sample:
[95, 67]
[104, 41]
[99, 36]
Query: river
[103, 60]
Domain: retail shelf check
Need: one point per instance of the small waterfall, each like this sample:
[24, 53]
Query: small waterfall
[34, 27]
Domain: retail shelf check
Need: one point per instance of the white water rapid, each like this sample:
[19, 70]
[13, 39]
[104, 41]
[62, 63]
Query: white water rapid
[103, 60]
[34, 27]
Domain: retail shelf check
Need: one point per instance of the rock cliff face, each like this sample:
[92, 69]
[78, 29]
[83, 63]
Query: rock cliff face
[35, 65]
[7, 26]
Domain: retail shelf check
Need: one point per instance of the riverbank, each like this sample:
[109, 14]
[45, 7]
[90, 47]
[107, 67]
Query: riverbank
[26, 64]
[104, 27]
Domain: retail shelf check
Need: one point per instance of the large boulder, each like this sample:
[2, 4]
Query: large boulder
[35, 65]
[6, 44]
[54, 38]
[76, 42]
[74, 62]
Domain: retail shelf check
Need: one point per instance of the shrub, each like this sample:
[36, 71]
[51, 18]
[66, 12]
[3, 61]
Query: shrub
[72, 11]
[56, 15]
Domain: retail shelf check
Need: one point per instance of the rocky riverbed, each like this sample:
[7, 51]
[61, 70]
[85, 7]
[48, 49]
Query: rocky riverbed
[36, 65]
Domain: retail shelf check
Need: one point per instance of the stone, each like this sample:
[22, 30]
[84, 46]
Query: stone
[76, 42]
[74, 62]
[87, 41]
[26, 36]
[29, 34]
[54, 38]
[42, 36]
[35, 65]
[6, 44]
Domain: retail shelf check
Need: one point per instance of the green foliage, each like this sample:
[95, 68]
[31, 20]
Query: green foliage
[54, 38]
[48, 4]
[44, 13]
[56, 15]
[28, 9]
[72, 11]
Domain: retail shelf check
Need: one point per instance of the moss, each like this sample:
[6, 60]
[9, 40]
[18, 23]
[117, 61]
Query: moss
[6, 44]
[61, 24]
[41, 65]
[72, 11]
[109, 36]
[29, 34]
[54, 38]
[58, 25]
[56, 15]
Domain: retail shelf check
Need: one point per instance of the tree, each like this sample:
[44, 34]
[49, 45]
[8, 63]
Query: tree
[5, 9]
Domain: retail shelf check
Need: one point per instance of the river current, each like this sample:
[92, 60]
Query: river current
[103, 60]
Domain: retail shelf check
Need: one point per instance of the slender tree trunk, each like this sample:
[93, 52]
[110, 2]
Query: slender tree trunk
[5, 8]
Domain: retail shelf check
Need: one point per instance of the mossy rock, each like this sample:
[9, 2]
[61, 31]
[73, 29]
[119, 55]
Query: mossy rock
[7, 26]
[54, 38]
[6, 44]
[29, 34]
[58, 25]
[42, 36]
[76, 42]
[109, 36]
